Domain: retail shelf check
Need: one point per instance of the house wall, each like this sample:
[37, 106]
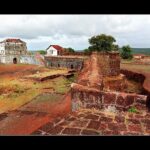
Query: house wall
[24, 59]
[15, 48]
[54, 51]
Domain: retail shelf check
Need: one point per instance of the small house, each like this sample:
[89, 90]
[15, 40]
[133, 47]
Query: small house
[54, 50]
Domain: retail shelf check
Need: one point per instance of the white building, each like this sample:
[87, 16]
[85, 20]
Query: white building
[11, 50]
[54, 50]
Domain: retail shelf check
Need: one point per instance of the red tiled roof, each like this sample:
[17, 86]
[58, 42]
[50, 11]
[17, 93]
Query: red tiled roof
[57, 47]
[13, 40]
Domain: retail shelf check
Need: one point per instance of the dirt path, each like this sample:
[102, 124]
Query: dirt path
[24, 120]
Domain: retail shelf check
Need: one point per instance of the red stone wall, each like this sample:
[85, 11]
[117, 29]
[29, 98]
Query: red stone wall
[140, 77]
[85, 97]
[102, 76]
[109, 63]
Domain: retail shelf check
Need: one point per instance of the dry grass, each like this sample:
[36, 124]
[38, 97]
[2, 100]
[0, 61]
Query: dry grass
[47, 73]
[15, 92]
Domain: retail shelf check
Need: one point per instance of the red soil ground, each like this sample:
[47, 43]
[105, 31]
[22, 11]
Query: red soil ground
[24, 122]
[13, 70]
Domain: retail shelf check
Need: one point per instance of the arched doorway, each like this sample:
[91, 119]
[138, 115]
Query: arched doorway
[15, 60]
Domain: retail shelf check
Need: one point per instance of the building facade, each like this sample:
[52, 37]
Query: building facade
[11, 50]
[54, 50]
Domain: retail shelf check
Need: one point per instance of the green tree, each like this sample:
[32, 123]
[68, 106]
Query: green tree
[115, 47]
[87, 51]
[42, 52]
[70, 50]
[102, 43]
[126, 52]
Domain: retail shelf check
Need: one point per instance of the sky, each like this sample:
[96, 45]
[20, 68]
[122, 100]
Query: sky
[40, 31]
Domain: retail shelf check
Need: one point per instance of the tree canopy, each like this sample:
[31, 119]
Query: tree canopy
[126, 52]
[102, 42]
[43, 52]
[70, 50]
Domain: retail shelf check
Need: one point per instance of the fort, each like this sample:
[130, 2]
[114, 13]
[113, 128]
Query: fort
[100, 104]
[105, 86]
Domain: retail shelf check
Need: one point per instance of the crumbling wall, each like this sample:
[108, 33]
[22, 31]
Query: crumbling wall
[104, 70]
[109, 63]
[142, 78]
[85, 97]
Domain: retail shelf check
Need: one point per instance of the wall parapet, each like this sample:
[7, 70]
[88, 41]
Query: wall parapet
[85, 97]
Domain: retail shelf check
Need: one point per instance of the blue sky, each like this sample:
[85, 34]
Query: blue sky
[40, 31]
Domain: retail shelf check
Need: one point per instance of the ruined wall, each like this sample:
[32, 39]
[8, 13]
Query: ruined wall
[142, 78]
[104, 71]
[61, 62]
[85, 97]
[109, 63]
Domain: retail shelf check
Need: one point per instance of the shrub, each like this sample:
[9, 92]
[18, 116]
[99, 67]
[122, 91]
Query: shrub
[132, 109]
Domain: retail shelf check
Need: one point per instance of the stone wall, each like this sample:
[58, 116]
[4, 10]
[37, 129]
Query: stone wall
[142, 78]
[105, 86]
[64, 62]
[85, 97]
[109, 63]
[24, 59]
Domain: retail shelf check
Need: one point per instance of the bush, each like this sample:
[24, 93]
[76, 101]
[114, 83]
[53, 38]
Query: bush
[126, 52]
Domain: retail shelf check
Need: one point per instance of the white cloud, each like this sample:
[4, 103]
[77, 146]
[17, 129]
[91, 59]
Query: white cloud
[39, 31]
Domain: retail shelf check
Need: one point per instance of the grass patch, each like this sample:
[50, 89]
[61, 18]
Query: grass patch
[15, 93]
[48, 73]
[132, 110]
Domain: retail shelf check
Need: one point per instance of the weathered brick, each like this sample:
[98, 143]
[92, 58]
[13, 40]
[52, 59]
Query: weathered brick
[103, 126]
[116, 126]
[130, 133]
[89, 132]
[106, 119]
[55, 130]
[89, 106]
[109, 98]
[134, 121]
[138, 116]
[147, 115]
[107, 132]
[146, 121]
[134, 128]
[140, 107]
[71, 131]
[93, 117]
[119, 119]
[93, 124]
[120, 100]
[79, 123]
[129, 100]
